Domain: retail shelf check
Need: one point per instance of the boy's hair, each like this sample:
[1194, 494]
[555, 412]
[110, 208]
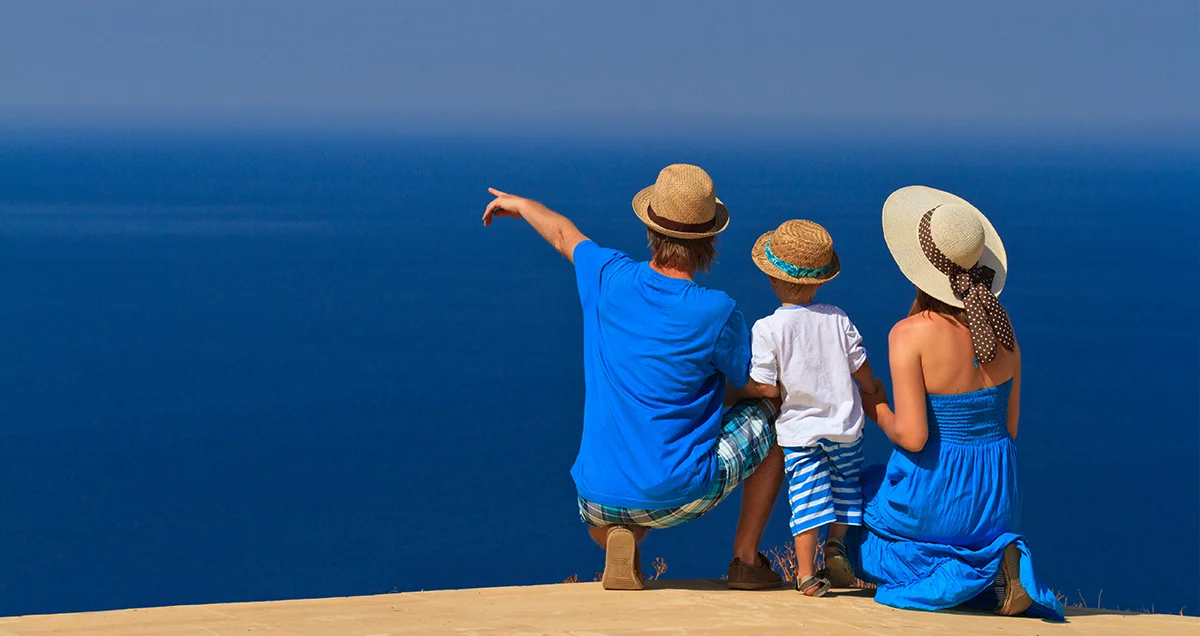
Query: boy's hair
[795, 293]
[685, 254]
[924, 302]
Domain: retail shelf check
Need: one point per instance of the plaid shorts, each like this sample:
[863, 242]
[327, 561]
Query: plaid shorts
[747, 435]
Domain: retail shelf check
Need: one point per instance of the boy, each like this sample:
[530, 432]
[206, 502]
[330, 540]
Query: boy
[807, 354]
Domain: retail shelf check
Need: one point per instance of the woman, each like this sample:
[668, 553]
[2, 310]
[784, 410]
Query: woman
[940, 522]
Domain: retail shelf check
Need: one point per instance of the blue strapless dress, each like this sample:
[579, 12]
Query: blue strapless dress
[937, 521]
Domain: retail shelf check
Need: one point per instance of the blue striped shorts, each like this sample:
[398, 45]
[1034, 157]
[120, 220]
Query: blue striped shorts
[747, 435]
[823, 484]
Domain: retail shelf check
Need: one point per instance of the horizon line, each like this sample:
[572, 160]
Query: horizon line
[650, 126]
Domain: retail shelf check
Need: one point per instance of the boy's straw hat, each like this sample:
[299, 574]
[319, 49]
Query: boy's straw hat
[797, 252]
[955, 228]
[682, 203]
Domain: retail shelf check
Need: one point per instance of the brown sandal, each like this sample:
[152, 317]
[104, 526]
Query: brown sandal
[760, 576]
[621, 569]
[838, 568]
[1015, 599]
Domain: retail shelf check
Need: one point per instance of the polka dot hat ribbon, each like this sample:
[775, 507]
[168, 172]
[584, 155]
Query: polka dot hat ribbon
[986, 318]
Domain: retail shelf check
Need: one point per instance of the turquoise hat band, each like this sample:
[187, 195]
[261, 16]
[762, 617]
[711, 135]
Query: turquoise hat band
[795, 271]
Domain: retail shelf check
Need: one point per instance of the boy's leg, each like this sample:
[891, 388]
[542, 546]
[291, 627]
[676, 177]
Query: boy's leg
[811, 499]
[806, 553]
[845, 468]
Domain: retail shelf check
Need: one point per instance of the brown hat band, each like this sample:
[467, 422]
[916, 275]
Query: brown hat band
[676, 226]
[986, 318]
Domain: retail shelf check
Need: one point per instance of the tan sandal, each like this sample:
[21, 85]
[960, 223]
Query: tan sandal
[1015, 599]
[621, 568]
[813, 585]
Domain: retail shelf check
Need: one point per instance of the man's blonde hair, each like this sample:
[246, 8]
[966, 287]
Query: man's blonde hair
[685, 254]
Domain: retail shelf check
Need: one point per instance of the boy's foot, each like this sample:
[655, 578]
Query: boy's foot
[621, 569]
[759, 576]
[1015, 600]
[838, 568]
[812, 585]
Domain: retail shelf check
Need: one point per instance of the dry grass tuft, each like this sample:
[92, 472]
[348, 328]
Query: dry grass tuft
[660, 568]
[783, 559]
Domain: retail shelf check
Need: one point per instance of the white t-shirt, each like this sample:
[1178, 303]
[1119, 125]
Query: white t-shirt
[810, 351]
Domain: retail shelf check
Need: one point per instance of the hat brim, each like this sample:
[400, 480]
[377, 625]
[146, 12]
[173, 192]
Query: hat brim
[902, 214]
[759, 254]
[641, 207]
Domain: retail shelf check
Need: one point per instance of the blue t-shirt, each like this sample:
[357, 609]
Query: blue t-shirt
[657, 351]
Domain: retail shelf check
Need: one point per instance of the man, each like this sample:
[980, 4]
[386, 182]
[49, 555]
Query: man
[657, 450]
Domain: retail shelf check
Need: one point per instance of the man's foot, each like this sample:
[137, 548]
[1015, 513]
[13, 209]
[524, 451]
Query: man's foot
[1015, 600]
[838, 568]
[621, 569]
[760, 576]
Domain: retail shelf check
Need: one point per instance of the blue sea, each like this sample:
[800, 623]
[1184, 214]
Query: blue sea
[241, 366]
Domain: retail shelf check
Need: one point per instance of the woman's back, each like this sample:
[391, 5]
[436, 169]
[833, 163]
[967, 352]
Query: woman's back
[948, 362]
[943, 347]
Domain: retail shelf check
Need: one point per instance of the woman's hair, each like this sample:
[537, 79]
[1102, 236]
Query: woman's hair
[685, 254]
[924, 302]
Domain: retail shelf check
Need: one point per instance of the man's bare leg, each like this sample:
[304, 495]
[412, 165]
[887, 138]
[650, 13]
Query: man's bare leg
[759, 492]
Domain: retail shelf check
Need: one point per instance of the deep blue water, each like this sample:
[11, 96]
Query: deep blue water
[264, 367]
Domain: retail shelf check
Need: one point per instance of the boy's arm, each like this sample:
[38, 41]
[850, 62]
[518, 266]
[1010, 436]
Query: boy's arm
[874, 398]
[865, 377]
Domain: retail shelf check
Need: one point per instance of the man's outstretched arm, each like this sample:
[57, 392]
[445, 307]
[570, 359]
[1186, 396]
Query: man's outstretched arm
[557, 229]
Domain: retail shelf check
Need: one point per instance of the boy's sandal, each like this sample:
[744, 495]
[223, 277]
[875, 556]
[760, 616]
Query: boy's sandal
[838, 568]
[813, 586]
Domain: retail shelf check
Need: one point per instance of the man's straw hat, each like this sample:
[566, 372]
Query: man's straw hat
[956, 228]
[682, 203]
[797, 252]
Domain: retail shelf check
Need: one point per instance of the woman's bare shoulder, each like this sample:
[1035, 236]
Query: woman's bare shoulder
[914, 327]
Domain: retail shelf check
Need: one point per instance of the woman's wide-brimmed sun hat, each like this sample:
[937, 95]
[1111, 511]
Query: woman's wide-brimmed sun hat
[949, 250]
[797, 252]
[682, 203]
[919, 223]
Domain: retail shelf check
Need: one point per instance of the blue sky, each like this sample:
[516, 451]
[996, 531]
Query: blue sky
[1079, 63]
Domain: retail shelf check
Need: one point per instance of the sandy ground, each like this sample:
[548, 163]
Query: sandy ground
[671, 607]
